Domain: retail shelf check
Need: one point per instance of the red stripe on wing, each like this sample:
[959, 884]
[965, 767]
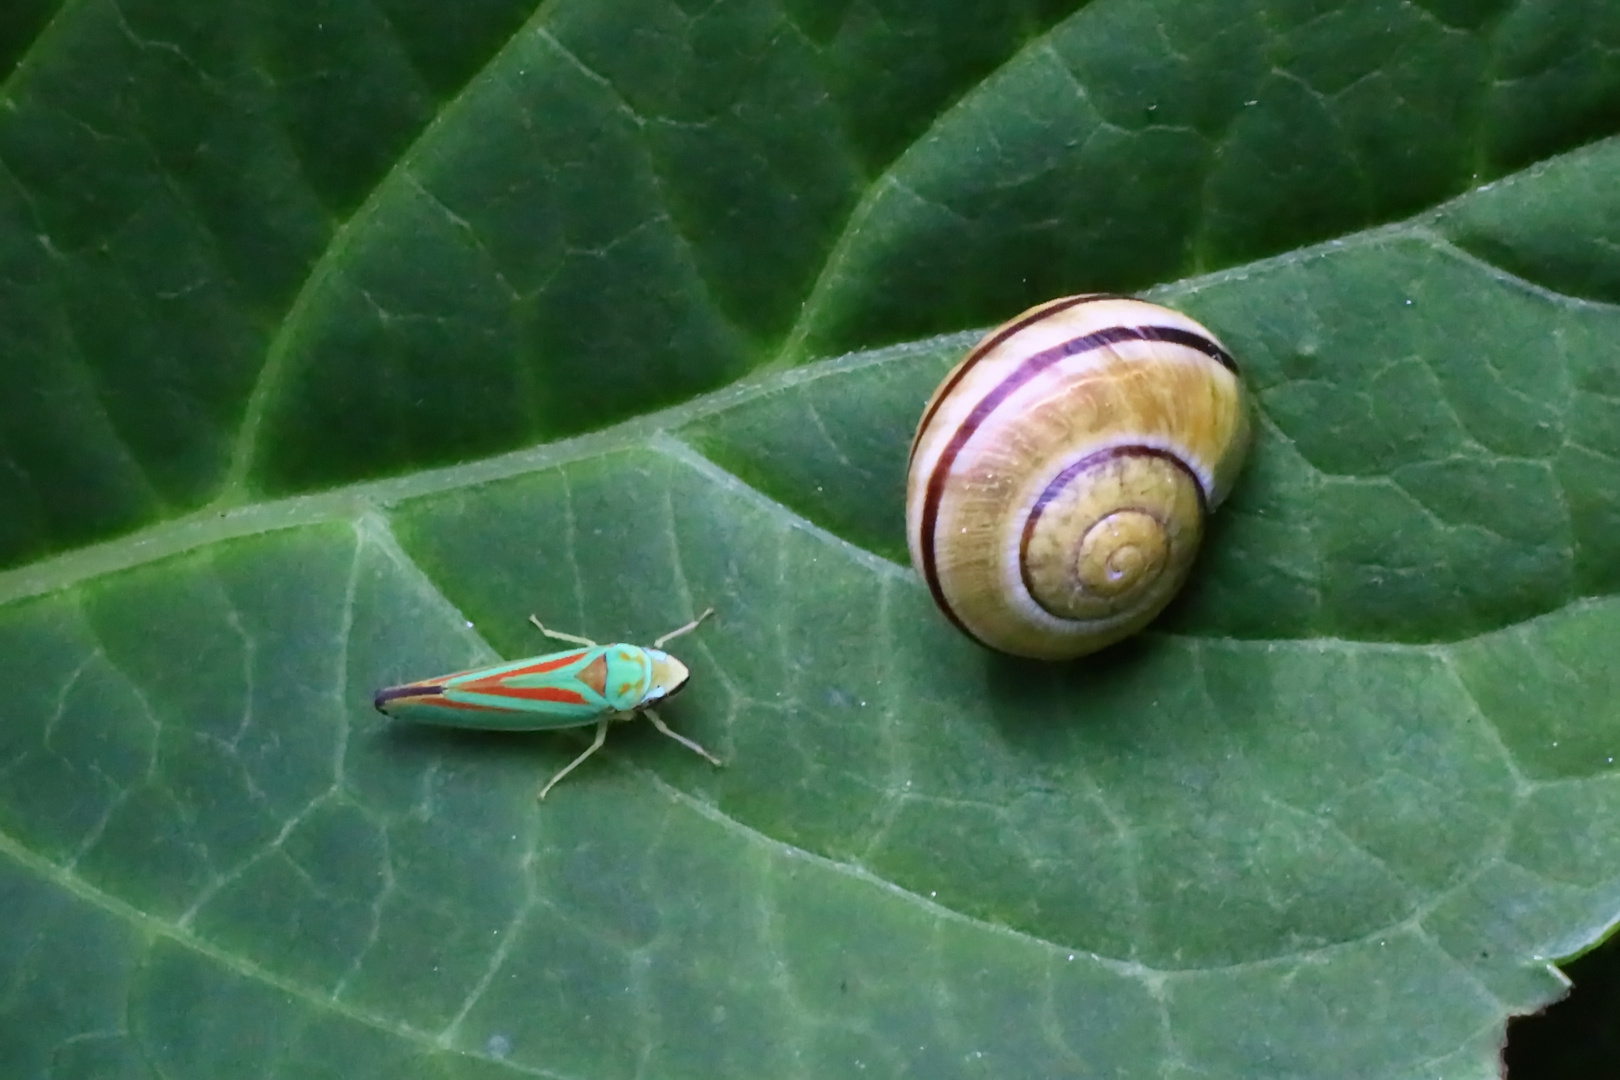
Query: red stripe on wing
[540, 667]
[440, 702]
[498, 688]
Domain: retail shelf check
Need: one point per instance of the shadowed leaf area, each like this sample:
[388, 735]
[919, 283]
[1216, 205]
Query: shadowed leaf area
[338, 338]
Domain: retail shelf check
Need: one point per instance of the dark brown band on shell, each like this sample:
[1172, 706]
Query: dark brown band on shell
[1177, 336]
[1034, 316]
[1061, 481]
[935, 492]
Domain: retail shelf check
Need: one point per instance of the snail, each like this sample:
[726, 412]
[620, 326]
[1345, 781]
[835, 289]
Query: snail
[1061, 473]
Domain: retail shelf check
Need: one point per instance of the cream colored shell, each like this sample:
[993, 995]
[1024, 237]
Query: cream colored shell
[1061, 473]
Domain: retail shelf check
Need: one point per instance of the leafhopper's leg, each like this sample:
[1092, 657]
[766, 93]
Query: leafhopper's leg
[682, 739]
[576, 639]
[688, 628]
[596, 744]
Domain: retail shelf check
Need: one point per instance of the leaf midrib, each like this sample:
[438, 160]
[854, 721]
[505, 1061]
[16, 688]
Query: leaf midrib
[212, 524]
[220, 522]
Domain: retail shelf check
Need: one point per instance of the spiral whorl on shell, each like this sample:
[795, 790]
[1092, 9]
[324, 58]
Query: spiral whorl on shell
[1061, 473]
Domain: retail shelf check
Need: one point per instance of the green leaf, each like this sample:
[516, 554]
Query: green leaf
[340, 338]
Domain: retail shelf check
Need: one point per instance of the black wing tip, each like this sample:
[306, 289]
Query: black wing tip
[393, 693]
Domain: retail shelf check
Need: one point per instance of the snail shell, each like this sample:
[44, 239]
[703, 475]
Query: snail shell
[1060, 475]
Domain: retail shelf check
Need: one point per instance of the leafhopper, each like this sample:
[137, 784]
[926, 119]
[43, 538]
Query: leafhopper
[592, 684]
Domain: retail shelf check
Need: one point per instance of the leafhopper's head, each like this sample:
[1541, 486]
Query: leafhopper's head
[669, 675]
